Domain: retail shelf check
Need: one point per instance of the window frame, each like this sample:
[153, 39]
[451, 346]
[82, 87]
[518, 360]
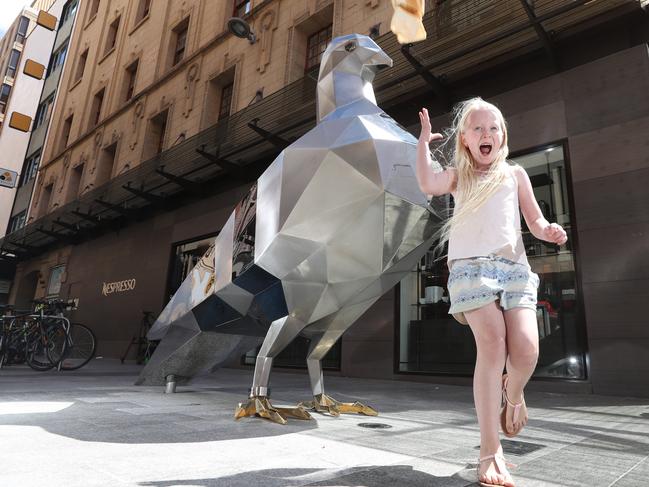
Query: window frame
[21, 36]
[66, 130]
[97, 107]
[57, 59]
[180, 31]
[93, 10]
[83, 56]
[222, 108]
[308, 64]
[3, 104]
[112, 35]
[130, 79]
[14, 56]
[43, 111]
[69, 9]
[30, 168]
[17, 222]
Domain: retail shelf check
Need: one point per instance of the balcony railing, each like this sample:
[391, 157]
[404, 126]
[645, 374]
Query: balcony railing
[463, 35]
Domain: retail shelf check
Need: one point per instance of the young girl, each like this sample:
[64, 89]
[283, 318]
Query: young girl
[491, 285]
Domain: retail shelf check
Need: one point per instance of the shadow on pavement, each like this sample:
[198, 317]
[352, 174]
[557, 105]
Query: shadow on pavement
[372, 476]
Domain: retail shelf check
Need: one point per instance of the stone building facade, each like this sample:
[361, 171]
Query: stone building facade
[150, 84]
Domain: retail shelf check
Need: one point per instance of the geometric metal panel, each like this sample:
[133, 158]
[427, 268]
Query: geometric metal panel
[332, 224]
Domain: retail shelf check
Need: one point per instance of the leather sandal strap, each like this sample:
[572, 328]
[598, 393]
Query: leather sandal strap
[499, 460]
[488, 457]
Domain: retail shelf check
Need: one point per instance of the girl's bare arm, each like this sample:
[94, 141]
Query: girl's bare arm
[536, 222]
[430, 182]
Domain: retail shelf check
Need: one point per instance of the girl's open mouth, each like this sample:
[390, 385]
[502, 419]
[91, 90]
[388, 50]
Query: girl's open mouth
[485, 149]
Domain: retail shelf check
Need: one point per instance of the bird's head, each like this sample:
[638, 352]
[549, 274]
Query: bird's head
[354, 54]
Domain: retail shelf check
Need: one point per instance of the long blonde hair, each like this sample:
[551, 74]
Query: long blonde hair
[473, 188]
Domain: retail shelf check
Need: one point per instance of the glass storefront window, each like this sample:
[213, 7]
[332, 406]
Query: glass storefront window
[431, 341]
[184, 257]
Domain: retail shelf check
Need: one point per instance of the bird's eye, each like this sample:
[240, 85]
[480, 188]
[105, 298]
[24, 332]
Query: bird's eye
[350, 46]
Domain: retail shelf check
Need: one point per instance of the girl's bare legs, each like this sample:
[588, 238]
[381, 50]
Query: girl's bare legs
[523, 352]
[490, 333]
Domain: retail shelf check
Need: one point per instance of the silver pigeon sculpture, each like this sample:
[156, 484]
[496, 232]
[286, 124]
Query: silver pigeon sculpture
[333, 223]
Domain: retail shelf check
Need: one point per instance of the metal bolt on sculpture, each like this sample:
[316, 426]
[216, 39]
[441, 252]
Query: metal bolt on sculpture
[333, 223]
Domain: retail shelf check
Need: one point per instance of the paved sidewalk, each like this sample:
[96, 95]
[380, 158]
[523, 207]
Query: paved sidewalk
[93, 427]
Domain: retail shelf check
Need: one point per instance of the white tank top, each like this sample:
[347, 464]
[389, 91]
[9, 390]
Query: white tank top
[494, 229]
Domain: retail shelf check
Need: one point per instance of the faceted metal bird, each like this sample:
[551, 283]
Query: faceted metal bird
[333, 223]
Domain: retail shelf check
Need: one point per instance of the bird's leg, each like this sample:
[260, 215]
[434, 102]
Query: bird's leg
[280, 334]
[323, 403]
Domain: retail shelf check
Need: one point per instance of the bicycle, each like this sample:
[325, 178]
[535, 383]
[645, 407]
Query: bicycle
[81, 342]
[45, 338]
[145, 347]
[34, 338]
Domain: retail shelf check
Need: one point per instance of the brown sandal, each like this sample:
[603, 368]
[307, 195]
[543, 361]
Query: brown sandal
[501, 466]
[517, 411]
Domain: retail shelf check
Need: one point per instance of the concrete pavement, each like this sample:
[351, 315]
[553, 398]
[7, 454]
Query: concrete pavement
[93, 427]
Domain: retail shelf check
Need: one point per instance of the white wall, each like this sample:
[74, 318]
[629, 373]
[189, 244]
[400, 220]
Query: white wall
[24, 98]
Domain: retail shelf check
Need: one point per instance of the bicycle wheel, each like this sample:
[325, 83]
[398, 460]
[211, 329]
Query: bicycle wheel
[36, 354]
[82, 347]
[57, 339]
[3, 352]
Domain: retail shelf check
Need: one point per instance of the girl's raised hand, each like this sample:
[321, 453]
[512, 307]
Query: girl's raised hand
[555, 233]
[426, 135]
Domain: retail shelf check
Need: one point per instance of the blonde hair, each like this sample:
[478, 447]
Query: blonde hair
[473, 187]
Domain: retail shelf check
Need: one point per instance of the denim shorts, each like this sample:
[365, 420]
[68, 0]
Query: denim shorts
[476, 282]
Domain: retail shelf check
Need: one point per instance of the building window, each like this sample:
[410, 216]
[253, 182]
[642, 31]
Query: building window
[106, 164]
[92, 11]
[43, 112]
[155, 135]
[46, 196]
[431, 341]
[14, 57]
[5, 90]
[69, 10]
[129, 80]
[54, 283]
[22, 30]
[143, 9]
[111, 40]
[241, 8]
[65, 134]
[315, 46]
[76, 176]
[16, 222]
[219, 97]
[185, 256]
[57, 59]
[81, 65]
[30, 168]
[179, 41]
[95, 110]
[226, 101]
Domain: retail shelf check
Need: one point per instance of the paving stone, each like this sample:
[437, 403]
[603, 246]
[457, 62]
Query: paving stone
[93, 427]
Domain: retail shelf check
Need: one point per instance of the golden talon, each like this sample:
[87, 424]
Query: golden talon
[327, 404]
[260, 406]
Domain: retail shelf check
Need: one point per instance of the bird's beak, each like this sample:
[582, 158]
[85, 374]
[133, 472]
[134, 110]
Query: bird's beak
[381, 60]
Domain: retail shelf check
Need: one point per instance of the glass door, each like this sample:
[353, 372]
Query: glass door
[431, 341]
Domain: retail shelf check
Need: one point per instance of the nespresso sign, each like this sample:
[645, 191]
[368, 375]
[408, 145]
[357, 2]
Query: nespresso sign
[118, 287]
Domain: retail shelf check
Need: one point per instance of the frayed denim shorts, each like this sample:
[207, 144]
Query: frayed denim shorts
[476, 282]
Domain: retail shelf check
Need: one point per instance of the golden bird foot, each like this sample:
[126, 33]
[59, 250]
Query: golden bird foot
[261, 406]
[327, 404]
